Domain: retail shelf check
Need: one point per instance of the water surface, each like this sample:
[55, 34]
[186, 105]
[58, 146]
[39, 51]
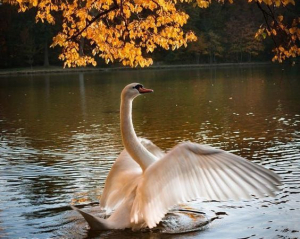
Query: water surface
[59, 136]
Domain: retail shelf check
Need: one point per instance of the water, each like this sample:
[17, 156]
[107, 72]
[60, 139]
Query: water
[60, 136]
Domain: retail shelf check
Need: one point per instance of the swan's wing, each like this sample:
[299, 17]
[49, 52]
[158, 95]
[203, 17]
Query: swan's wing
[123, 177]
[155, 150]
[190, 171]
[119, 181]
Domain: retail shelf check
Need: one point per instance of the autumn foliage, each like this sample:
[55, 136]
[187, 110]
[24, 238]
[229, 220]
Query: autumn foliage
[286, 32]
[128, 31]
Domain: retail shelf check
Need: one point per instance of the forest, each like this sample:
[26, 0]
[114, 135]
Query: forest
[225, 34]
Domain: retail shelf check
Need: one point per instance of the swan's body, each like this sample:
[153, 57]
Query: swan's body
[144, 182]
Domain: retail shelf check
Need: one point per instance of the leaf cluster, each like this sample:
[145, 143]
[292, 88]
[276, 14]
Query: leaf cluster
[128, 31]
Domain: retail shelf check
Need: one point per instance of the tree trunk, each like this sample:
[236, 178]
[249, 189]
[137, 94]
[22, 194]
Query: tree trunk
[46, 55]
[81, 45]
[197, 58]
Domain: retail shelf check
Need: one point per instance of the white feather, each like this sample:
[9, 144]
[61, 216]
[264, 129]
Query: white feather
[190, 171]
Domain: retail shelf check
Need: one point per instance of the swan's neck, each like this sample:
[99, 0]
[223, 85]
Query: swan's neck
[131, 142]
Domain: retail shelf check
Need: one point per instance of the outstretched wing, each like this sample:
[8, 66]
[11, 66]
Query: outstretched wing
[123, 177]
[119, 181]
[190, 171]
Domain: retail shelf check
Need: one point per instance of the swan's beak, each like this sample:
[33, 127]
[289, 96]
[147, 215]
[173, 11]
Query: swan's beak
[143, 90]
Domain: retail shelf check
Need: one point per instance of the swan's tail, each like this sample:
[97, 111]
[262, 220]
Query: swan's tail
[95, 223]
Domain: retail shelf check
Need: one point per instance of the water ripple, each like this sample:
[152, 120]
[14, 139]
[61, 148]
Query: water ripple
[51, 156]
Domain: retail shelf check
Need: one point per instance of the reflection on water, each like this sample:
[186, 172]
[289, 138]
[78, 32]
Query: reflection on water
[60, 135]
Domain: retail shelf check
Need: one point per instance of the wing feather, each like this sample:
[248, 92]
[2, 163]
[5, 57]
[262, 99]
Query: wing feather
[119, 182]
[190, 171]
[123, 177]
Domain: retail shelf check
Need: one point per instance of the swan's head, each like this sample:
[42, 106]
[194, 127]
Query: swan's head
[133, 90]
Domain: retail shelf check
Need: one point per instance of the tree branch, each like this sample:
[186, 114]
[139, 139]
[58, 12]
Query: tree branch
[99, 15]
[266, 14]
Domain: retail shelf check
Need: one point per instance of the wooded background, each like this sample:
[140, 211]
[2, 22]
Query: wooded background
[225, 34]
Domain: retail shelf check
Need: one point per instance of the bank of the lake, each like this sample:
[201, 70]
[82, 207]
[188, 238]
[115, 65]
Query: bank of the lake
[60, 69]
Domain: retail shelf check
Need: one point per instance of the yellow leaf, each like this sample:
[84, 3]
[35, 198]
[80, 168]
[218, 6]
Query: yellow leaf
[293, 30]
[280, 18]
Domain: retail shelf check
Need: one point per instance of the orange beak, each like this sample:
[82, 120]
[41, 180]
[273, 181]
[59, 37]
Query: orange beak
[143, 90]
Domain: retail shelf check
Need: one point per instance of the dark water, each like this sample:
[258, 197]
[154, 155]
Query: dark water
[60, 135]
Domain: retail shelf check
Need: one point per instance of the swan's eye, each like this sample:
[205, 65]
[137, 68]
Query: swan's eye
[138, 86]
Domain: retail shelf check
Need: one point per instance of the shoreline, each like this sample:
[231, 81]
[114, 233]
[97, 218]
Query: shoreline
[58, 69]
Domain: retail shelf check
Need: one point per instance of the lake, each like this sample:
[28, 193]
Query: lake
[59, 136]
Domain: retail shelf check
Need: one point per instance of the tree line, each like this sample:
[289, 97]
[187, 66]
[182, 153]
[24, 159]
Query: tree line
[225, 33]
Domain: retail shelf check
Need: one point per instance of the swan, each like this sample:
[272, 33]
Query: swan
[144, 183]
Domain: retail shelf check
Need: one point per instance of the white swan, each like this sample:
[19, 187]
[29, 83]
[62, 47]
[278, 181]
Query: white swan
[144, 183]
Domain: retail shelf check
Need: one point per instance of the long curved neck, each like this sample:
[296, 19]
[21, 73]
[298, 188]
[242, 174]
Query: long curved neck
[131, 142]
